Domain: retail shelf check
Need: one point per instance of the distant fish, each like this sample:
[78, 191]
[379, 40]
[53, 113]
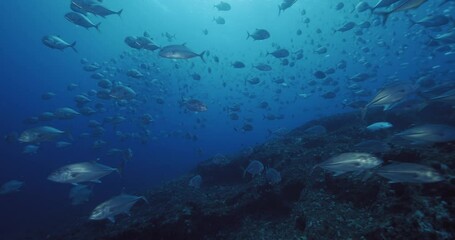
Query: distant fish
[80, 194]
[280, 53]
[219, 20]
[254, 168]
[350, 162]
[81, 20]
[379, 126]
[431, 21]
[56, 42]
[223, 6]
[238, 64]
[115, 206]
[346, 27]
[30, 149]
[11, 186]
[194, 105]
[383, 4]
[409, 173]
[179, 52]
[101, 11]
[259, 34]
[272, 176]
[195, 181]
[263, 67]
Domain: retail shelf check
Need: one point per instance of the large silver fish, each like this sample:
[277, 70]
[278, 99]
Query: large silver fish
[350, 162]
[403, 6]
[115, 206]
[409, 173]
[81, 172]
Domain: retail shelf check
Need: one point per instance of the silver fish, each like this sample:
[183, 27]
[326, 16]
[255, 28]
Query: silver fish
[409, 173]
[429, 133]
[11, 186]
[56, 42]
[350, 162]
[179, 52]
[115, 206]
[81, 20]
[40, 134]
[81, 172]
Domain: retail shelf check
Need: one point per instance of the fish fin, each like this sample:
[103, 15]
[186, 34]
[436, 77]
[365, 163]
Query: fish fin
[248, 35]
[385, 16]
[97, 26]
[73, 47]
[112, 219]
[388, 107]
[201, 55]
[119, 12]
[363, 112]
[412, 23]
[145, 200]
[95, 181]
[279, 10]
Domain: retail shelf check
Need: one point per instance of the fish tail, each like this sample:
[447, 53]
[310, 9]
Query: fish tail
[97, 26]
[201, 55]
[248, 35]
[145, 200]
[279, 10]
[73, 46]
[119, 12]
[412, 23]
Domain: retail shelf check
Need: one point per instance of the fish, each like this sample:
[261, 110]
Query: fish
[134, 73]
[431, 21]
[194, 105]
[238, 64]
[30, 149]
[263, 67]
[11, 186]
[429, 133]
[403, 172]
[56, 42]
[122, 92]
[195, 181]
[285, 5]
[219, 20]
[115, 206]
[259, 34]
[362, 7]
[346, 27]
[81, 20]
[40, 134]
[254, 168]
[350, 162]
[389, 95]
[80, 194]
[179, 52]
[379, 126]
[339, 6]
[384, 4]
[81, 172]
[101, 11]
[446, 38]
[223, 6]
[65, 113]
[280, 53]
[272, 176]
[405, 5]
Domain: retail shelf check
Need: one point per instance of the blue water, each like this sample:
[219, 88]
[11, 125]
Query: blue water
[28, 69]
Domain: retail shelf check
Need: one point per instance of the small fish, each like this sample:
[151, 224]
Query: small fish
[219, 20]
[11, 186]
[195, 181]
[259, 34]
[379, 126]
[280, 53]
[409, 173]
[179, 52]
[285, 5]
[254, 168]
[272, 176]
[56, 42]
[223, 6]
